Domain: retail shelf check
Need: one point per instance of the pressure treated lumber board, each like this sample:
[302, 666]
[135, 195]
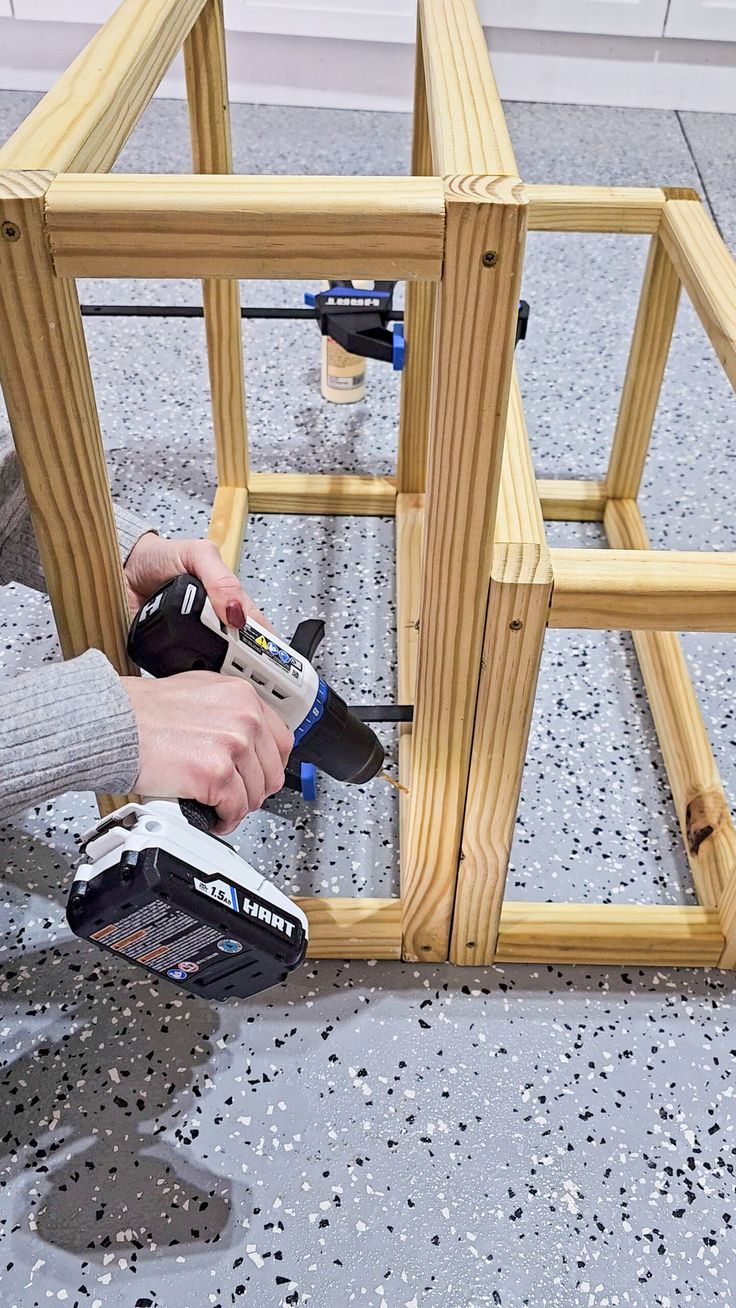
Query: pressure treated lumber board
[625, 935]
[707, 270]
[644, 590]
[352, 928]
[209, 124]
[701, 805]
[655, 321]
[477, 303]
[48, 389]
[411, 470]
[160, 225]
[572, 501]
[518, 605]
[467, 125]
[83, 122]
[228, 523]
[627, 209]
[519, 514]
[321, 492]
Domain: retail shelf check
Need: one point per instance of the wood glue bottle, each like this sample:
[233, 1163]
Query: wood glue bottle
[343, 375]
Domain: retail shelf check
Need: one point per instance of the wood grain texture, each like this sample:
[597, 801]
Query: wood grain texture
[228, 523]
[352, 928]
[519, 516]
[83, 122]
[135, 225]
[627, 935]
[644, 590]
[518, 605]
[467, 125]
[409, 543]
[633, 209]
[48, 389]
[650, 346]
[477, 304]
[209, 123]
[572, 501]
[411, 471]
[322, 492]
[707, 270]
[701, 805]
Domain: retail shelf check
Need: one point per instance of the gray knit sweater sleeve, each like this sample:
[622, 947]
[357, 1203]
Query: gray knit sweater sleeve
[63, 726]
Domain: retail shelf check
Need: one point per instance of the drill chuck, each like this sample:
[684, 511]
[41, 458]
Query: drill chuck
[340, 743]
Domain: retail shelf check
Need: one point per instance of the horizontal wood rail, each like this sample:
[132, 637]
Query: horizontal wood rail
[565, 500]
[83, 122]
[327, 492]
[631, 935]
[352, 928]
[643, 590]
[131, 225]
[628, 209]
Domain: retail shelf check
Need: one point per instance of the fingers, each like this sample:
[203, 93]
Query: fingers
[202, 558]
[283, 738]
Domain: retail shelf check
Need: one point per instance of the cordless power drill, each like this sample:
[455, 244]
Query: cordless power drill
[155, 886]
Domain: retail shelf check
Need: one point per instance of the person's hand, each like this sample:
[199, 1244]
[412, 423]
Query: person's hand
[208, 737]
[154, 560]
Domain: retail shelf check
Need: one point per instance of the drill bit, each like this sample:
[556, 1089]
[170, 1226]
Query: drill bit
[392, 782]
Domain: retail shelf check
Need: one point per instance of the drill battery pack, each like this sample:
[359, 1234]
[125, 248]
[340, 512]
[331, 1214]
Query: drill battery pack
[184, 905]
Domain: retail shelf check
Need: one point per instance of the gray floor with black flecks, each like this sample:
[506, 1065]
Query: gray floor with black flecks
[379, 1134]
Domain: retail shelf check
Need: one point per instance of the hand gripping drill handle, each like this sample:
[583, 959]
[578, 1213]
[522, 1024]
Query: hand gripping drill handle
[177, 630]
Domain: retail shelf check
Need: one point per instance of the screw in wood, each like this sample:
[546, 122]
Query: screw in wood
[516, 624]
[10, 231]
[490, 259]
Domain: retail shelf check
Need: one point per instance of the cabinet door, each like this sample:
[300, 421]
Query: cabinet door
[605, 17]
[357, 20]
[705, 20]
[74, 11]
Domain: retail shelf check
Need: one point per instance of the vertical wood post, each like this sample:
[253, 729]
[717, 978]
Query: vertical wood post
[518, 606]
[209, 120]
[472, 362]
[47, 383]
[419, 319]
[655, 321]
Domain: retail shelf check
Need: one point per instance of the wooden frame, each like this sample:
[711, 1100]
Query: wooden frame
[477, 583]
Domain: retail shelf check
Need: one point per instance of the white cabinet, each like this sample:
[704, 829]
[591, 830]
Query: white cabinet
[704, 20]
[393, 21]
[601, 17]
[74, 11]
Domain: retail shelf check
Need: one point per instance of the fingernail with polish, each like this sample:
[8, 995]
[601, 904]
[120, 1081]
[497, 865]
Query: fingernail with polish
[234, 613]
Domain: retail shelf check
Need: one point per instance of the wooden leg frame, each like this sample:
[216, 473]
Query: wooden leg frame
[477, 584]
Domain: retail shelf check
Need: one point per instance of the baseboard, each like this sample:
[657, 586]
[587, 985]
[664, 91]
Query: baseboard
[556, 67]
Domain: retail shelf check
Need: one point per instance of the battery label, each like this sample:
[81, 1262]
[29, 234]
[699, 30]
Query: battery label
[220, 890]
[166, 939]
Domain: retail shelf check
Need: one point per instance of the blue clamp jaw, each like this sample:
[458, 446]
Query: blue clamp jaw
[357, 318]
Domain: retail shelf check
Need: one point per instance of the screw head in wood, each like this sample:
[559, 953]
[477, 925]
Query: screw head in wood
[490, 259]
[10, 231]
[516, 624]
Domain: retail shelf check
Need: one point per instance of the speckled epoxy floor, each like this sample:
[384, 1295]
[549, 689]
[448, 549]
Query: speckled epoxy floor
[380, 1134]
